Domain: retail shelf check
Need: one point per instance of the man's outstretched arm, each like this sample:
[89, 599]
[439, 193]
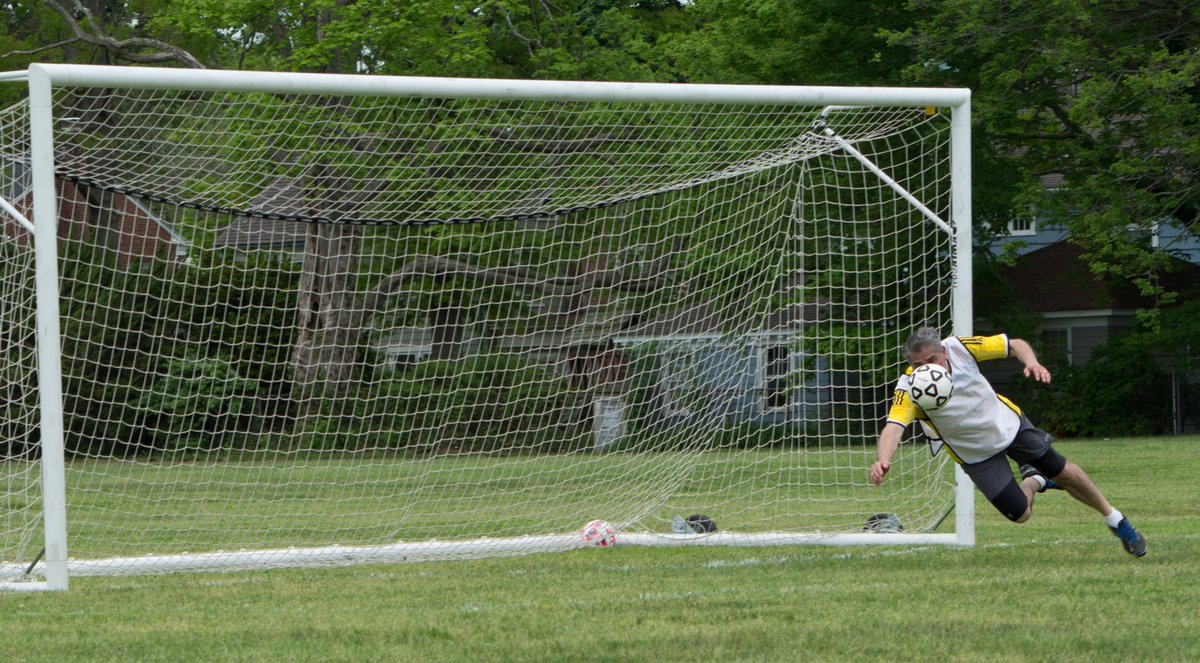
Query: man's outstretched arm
[889, 441]
[1025, 354]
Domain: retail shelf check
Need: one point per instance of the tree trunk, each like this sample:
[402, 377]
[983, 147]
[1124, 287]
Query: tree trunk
[326, 354]
[448, 326]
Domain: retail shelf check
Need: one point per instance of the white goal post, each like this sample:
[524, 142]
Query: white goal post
[260, 320]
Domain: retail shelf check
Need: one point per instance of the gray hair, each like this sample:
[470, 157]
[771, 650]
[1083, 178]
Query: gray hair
[922, 339]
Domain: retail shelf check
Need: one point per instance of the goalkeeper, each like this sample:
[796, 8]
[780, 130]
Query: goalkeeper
[982, 429]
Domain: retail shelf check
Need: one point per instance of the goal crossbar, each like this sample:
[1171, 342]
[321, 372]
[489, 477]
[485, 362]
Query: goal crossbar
[98, 76]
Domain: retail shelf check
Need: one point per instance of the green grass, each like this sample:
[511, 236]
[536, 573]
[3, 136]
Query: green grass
[1058, 588]
[132, 508]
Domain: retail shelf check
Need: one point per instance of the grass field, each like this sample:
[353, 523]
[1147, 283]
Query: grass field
[139, 507]
[1058, 588]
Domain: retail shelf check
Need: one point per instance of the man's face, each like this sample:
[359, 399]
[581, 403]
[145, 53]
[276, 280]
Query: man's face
[931, 355]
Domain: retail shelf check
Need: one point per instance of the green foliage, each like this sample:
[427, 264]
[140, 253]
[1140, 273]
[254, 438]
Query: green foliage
[1102, 95]
[487, 403]
[621, 41]
[194, 403]
[829, 42]
[496, 38]
[26, 27]
[1125, 389]
[1177, 339]
[431, 37]
[660, 40]
[172, 356]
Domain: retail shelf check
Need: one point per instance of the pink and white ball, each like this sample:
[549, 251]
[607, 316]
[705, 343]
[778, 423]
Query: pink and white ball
[599, 533]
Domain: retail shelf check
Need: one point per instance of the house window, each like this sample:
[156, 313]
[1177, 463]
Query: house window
[1055, 346]
[776, 367]
[403, 358]
[676, 383]
[1022, 226]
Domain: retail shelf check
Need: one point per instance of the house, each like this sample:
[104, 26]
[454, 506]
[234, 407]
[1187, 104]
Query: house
[1079, 310]
[285, 227]
[579, 342]
[720, 363]
[117, 221]
[283, 197]
[573, 342]
[694, 362]
[573, 336]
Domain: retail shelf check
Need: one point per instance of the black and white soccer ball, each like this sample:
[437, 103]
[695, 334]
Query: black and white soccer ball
[932, 386]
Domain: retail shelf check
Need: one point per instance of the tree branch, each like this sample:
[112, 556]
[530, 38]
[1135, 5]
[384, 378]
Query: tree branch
[125, 49]
[41, 49]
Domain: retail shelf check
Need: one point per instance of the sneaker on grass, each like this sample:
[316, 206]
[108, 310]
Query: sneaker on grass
[1134, 542]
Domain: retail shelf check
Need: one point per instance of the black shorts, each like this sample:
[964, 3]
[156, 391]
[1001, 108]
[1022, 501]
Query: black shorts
[1030, 446]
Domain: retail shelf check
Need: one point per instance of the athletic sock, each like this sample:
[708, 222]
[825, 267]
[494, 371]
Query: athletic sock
[1113, 519]
[1041, 481]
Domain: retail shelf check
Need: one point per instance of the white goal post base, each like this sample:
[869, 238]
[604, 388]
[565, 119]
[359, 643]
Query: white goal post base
[333, 556]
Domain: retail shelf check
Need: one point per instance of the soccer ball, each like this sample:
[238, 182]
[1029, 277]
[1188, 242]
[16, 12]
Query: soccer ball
[598, 533]
[932, 386]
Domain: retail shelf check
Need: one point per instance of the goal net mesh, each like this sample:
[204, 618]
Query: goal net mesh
[300, 323]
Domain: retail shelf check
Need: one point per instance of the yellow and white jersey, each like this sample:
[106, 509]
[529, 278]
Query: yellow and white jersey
[976, 423]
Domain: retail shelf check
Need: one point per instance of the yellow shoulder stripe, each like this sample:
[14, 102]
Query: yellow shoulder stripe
[903, 410]
[984, 348]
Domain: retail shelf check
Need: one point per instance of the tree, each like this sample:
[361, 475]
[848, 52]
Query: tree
[494, 38]
[109, 27]
[430, 37]
[1098, 99]
[644, 40]
[775, 42]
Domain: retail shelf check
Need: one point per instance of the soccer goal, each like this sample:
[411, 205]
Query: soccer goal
[258, 320]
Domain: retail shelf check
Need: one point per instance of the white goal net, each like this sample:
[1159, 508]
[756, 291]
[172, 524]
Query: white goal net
[329, 320]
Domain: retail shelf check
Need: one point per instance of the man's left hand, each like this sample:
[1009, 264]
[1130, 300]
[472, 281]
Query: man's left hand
[1037, 372]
